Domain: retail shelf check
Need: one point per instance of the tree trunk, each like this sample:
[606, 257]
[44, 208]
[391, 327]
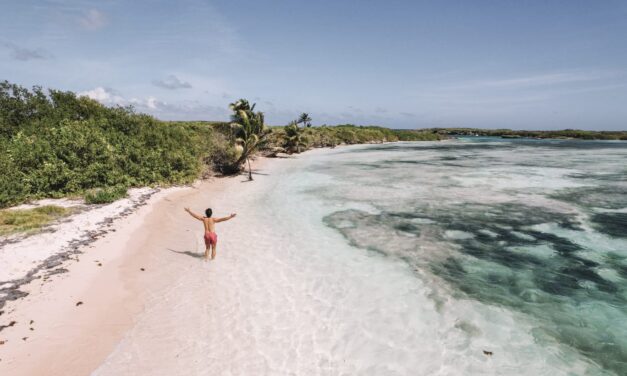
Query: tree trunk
[250, 172]
[242, 159]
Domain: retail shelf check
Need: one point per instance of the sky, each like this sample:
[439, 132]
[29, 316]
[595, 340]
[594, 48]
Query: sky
[401, 64]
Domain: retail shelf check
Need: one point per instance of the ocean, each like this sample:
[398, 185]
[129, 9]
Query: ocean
[535, 230]
[475, 256]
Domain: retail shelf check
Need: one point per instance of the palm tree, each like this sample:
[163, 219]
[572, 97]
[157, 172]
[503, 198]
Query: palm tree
[240, 105]
[249, 131]
[294, 138]
[305, 119]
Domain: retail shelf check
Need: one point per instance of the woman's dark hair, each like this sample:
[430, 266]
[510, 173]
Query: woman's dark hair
[208, 212]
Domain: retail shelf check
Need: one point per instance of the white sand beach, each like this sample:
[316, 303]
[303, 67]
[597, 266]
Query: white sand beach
[272, 302]
[70, 321]
[287, 293]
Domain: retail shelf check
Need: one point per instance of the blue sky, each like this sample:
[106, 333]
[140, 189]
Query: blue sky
[401, 64]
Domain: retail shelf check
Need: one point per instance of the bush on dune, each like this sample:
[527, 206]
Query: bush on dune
[105, 195]
[59, 144]
[330, 136]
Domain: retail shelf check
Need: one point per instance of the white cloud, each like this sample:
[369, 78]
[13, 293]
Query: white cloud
[93, 19]
[152, 103]
[105, 96]
[182, 110]
[172, 82]
[111, 97]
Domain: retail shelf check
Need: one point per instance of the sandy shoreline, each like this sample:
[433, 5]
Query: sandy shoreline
[68, 324]
[142, 302]
[287, 294]
[76, 293]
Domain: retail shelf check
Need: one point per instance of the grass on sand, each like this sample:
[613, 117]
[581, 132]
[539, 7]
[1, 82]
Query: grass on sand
[29, 220]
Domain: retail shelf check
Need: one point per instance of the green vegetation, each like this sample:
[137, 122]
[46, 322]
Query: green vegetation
[250, 131]
[304, 119]
[508, 133]
[29, 220]
[54, 144]
[105, 195]
[331, 136]
[294, 139]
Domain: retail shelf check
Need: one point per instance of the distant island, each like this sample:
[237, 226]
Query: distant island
[508, 133]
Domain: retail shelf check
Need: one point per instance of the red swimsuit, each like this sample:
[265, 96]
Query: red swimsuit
[211, 238]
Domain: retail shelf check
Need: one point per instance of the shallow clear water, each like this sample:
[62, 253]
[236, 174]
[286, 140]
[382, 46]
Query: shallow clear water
[533, 227]
[470, 257]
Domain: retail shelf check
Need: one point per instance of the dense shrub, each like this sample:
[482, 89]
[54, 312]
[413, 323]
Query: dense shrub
[325, 136]
[54, 144]
[104, 195]
[58, 144]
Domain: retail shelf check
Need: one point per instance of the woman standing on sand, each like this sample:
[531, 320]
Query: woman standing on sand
[211, 238]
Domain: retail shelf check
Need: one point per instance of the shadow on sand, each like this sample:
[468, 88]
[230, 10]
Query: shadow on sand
[188, 253]
[254, 173]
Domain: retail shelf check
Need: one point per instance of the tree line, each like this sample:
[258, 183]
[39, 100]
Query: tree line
[55, 143]
[509, 133]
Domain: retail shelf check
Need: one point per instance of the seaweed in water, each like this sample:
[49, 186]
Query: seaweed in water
[613, 224]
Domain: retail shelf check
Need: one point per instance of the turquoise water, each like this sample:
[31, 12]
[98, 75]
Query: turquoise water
[466, 257]
[537, 228]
